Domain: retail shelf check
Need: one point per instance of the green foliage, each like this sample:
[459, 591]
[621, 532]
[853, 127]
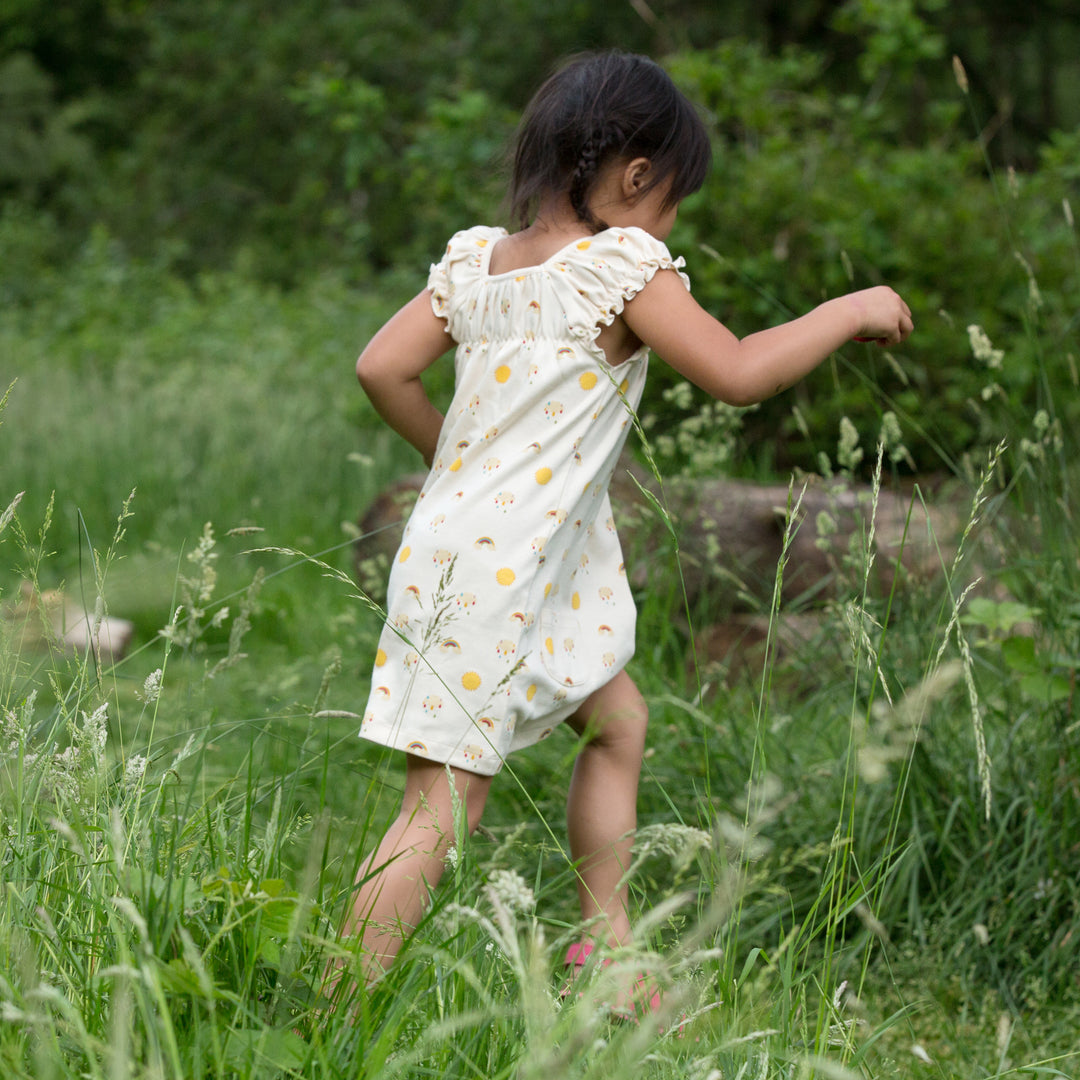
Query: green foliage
[41, 146]
[407, 177]
[896, 38]
[337, 137]
[198, 128]
[881, 820]
[129, 377]
[807, 201]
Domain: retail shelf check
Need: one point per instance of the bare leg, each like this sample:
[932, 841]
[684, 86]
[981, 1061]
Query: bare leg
[601, 808]
[409, 860]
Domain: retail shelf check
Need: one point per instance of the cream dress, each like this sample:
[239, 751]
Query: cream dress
[508, 602]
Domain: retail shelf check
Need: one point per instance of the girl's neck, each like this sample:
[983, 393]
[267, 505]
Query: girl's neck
[556, 218]
[555, 225]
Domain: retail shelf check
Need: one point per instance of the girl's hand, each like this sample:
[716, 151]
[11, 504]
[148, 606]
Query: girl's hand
[881, 315]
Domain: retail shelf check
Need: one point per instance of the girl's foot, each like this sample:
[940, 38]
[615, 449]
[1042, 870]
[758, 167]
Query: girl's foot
[632, 1004]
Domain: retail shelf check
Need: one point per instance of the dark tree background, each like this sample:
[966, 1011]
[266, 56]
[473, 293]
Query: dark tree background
[313, 130]
[282, 139]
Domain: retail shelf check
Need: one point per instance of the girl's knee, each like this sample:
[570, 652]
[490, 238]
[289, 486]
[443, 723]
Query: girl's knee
[615, 709]
[614, 720]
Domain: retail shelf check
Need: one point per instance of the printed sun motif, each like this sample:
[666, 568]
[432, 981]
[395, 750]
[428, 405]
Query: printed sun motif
[509, 602]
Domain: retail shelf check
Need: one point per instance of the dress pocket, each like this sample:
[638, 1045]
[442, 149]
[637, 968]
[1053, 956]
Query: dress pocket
[562, 658]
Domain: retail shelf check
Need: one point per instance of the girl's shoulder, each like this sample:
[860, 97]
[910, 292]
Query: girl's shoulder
[471, 242]
[472, 246]
[616, 263]
[603, 270]
[464, 262]
[626, 244]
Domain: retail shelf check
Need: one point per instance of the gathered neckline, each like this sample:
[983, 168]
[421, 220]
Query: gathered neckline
[532, 268]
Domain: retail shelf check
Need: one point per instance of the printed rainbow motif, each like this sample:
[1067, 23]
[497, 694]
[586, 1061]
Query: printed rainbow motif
[510, 536]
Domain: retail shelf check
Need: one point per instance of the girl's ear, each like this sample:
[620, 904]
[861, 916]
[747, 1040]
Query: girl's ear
[635, 178]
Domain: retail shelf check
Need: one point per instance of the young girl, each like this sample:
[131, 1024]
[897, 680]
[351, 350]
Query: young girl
[508, 605]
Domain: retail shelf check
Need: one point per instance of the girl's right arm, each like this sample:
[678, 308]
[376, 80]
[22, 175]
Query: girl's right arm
[390, 366]
[741, 372]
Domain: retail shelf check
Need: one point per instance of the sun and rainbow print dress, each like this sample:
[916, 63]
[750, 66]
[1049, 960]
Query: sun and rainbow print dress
[508, 602]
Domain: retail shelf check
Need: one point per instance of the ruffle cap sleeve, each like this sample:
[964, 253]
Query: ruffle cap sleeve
[463, 262]
[612, 268]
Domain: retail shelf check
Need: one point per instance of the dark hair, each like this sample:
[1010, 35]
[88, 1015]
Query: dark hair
[598, 108]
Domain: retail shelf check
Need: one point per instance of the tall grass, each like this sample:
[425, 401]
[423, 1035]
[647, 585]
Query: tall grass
[174, 864]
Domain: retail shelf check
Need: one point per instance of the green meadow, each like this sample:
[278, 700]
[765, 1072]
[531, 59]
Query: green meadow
[856, 861]
[857, 857]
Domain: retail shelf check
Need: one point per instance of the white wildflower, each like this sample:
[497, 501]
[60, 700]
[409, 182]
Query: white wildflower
[134, 770]
[848, 451]
[204, 558]
[893, 439]
[171, 631]
[825, 524]
[508, 889]
[826, 527]
[982, 934]
[681, 842]
[452, 856]
[91, 737]
[681, 395]
[982, 349]
[10, 731]
[1033, 450]
[151, 690]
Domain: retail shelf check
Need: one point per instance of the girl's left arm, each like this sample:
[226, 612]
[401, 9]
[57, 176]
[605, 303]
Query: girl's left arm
[390, 366]
[741, 372]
